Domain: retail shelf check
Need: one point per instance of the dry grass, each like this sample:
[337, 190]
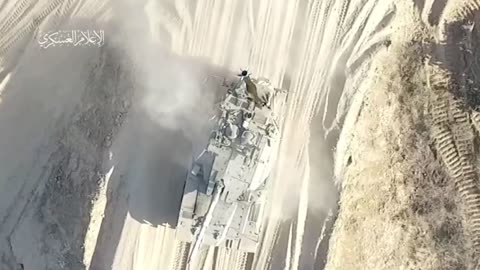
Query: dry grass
[398, 204]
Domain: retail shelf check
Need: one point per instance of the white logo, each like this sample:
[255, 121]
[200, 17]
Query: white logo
[72, 38]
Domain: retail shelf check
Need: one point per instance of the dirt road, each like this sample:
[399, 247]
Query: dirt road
[95, 142]
[289, 46]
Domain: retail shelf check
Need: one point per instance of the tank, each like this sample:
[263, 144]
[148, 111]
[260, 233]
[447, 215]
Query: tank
[225, 191]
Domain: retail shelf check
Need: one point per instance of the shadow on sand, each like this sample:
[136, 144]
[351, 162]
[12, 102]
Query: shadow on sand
[152, 155]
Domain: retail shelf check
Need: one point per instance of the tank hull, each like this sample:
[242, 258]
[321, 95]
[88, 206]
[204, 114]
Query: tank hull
[225, 191]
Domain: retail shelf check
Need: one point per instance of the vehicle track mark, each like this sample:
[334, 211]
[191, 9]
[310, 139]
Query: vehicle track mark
[340, 27]
[324, 55]
[352, 17]
[184, 12]
[242, 261]
[453, 136]
[311, 49]
[29, 28]
[225, 23]
[251, 20]
[381, 25]
[349, 42]
[181, 256]
[272, 245]
[459, 10]
[17, 14]
[312, 55]
[476, 121]
[287, 40]
[453, 14]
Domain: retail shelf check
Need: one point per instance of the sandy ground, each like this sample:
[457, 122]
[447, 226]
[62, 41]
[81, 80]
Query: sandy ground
[95, 142]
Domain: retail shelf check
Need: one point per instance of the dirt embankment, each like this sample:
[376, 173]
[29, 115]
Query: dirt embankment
[65, 165]
[410, 192]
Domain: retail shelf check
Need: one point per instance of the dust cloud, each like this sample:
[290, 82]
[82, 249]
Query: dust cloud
[170, 88]
[168, 123]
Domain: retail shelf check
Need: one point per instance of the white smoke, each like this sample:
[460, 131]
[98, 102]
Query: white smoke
[171, 89]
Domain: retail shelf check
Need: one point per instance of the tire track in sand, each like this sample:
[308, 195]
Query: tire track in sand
[453, 139]
[345, 49]
[225, 26]
[181, 256]
[28, 29]
[17, 14]
[258, 51]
